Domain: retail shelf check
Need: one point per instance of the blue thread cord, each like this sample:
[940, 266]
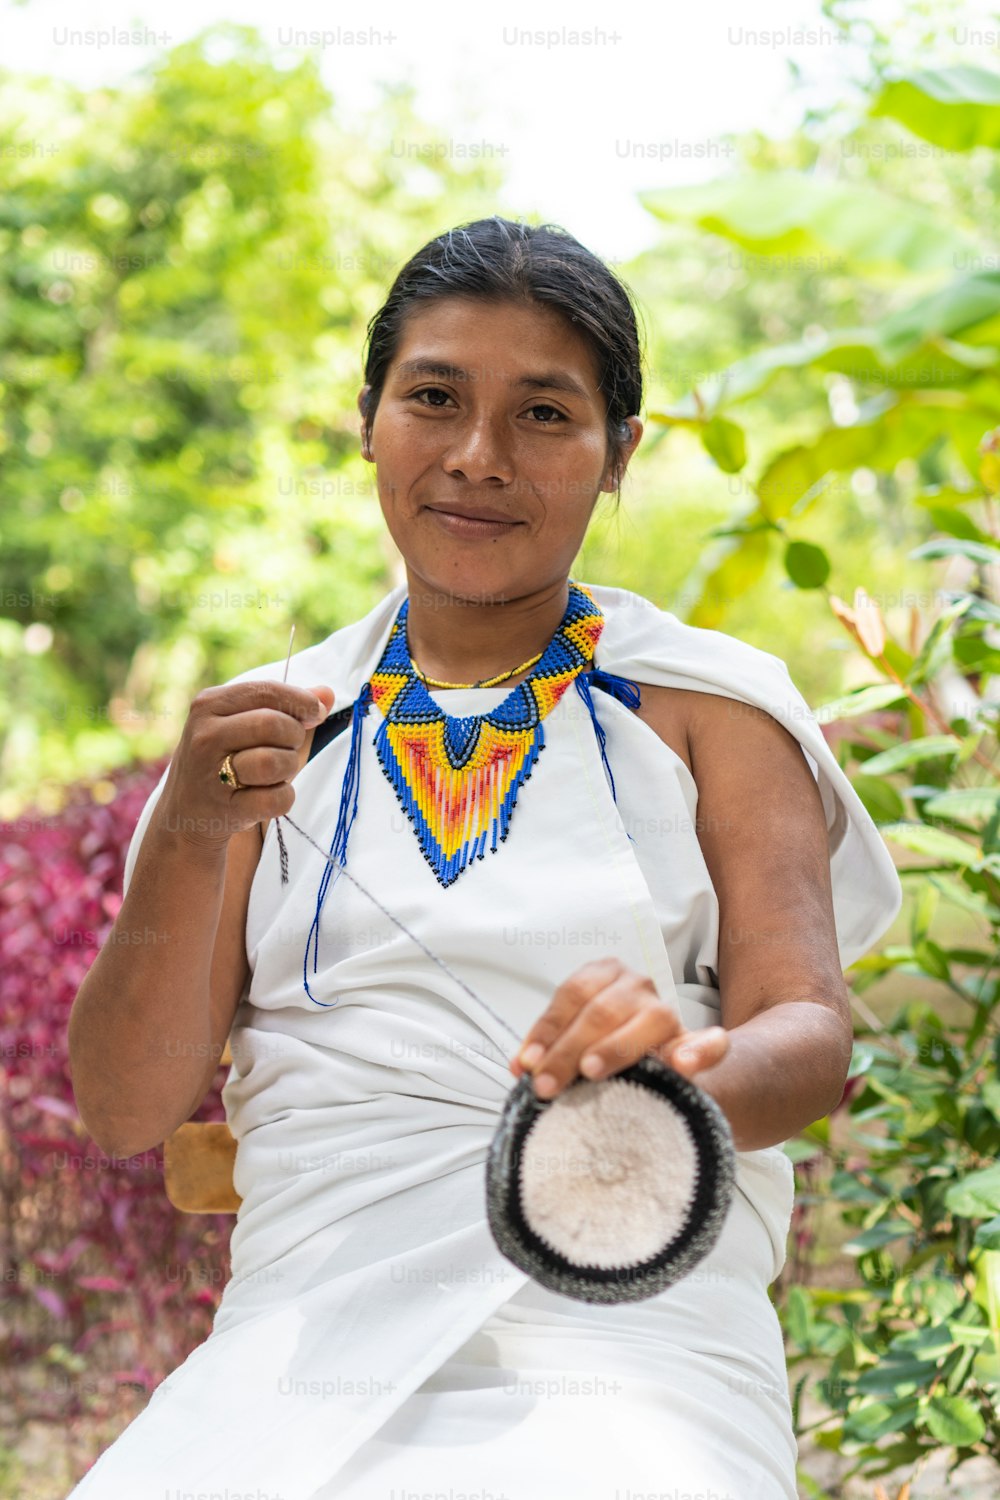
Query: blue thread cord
[345, 821]
[622, 688]
[625, 691]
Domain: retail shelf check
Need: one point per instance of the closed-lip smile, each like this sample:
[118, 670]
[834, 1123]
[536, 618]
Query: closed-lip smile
[481, 513]
[470, 523]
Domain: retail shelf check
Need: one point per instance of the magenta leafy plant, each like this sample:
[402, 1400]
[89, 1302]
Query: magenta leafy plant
[106, 1284]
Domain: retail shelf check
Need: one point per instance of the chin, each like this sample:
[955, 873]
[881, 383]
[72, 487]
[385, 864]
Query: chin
[471, 581]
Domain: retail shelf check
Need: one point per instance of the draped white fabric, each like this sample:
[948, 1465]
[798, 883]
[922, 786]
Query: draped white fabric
[372, 1341]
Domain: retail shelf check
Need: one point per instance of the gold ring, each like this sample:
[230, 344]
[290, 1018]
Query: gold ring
[228, 774]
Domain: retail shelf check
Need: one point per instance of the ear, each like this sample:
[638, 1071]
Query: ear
[616, 470]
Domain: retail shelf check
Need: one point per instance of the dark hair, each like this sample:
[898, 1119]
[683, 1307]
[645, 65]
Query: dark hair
[500, 259]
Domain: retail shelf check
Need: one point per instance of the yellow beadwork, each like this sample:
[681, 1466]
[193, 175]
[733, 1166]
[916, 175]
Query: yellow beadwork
[486, 682]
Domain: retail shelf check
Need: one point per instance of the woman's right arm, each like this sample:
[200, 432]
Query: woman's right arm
[150, 1020]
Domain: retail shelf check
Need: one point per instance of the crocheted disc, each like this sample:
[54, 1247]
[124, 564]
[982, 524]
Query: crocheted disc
[592, 1178]
[613, 1190]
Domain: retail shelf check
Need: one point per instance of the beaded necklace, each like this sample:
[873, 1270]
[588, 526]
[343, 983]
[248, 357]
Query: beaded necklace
[457, 779]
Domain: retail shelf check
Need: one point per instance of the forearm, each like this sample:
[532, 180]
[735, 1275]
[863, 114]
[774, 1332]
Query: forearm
[785, 1068]
[140, 1026]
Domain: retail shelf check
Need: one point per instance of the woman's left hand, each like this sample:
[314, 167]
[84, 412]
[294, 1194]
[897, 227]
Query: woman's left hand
[609, 1012]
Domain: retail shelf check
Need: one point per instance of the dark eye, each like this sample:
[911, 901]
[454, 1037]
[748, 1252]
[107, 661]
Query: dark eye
[428, 390]
[436, 390]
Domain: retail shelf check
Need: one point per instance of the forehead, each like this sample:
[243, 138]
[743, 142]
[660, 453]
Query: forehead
[507, 343]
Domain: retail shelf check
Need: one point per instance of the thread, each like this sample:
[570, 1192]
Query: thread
[343, 870]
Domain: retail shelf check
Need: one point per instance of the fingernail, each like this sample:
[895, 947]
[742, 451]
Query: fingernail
[545, 1084]
[591, 1065]
[686, 1055]
[531, 1054]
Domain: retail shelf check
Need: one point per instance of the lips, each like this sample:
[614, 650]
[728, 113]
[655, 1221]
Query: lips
[482, 513]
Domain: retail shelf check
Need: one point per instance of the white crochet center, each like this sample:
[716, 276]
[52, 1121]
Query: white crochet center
[608, 1173]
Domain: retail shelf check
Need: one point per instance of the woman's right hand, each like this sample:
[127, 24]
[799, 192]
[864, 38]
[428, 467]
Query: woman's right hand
[263, 726]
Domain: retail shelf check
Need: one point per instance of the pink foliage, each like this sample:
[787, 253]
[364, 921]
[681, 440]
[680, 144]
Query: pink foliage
[104, 1278]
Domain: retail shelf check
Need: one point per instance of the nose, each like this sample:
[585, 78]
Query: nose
[480, 451]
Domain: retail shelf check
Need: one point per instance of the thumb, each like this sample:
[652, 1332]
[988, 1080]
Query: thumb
[325, 695]
[696, 1049]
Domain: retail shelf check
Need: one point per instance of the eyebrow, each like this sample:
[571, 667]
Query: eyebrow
[549, 380]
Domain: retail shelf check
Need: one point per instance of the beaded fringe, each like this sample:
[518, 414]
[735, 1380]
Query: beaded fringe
[467, 806]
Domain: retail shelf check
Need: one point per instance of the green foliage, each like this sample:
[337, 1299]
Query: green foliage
[958, 108]
[907, 394]
[795, 213]
[915, 1364]
[184, 287]
[921, 380]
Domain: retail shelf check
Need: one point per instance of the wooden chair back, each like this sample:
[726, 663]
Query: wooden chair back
[198, 1162]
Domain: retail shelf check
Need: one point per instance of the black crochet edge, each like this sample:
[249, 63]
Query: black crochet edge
[631, 1283]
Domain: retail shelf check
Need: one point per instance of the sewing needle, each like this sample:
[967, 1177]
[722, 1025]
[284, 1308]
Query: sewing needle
[289, 656]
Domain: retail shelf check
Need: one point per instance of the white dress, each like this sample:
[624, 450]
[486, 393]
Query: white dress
[372, 1342]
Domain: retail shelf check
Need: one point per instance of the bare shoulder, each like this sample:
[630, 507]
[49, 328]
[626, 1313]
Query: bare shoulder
[711, 733]
[729, 733]
[666, 710]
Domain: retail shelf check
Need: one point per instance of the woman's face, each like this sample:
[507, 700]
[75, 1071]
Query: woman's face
[491, 455]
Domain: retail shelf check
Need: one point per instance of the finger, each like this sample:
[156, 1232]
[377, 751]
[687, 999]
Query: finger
[694, 1051]
[264, 727]
[656, 1027]
[235, 698]
[264, 766]
[566, 1002]
[606, 1015]
[238, 810]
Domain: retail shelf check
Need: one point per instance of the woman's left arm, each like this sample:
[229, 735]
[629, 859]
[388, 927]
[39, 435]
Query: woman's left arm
[781, 1058]
[784, 1002]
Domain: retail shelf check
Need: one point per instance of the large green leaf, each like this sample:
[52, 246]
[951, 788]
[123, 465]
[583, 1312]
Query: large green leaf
[900, 429]
[897, 1375]
[937, 649]
[958, 546]
[865, 700]
[739, 563]
[798, 213]
[726, 443]
[878, 1235]
[881, 801]
[988, 1234]
[859, 353]
[867, 1423]
[976, 1196]
[968, 307]
[965, 802]
[957, 108]
[933, 842]
[953, 1420]
[807, 565]
[927, 747]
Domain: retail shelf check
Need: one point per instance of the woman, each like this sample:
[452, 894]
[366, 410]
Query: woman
[625, 834]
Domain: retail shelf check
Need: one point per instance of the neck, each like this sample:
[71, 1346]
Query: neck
[461, 640]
